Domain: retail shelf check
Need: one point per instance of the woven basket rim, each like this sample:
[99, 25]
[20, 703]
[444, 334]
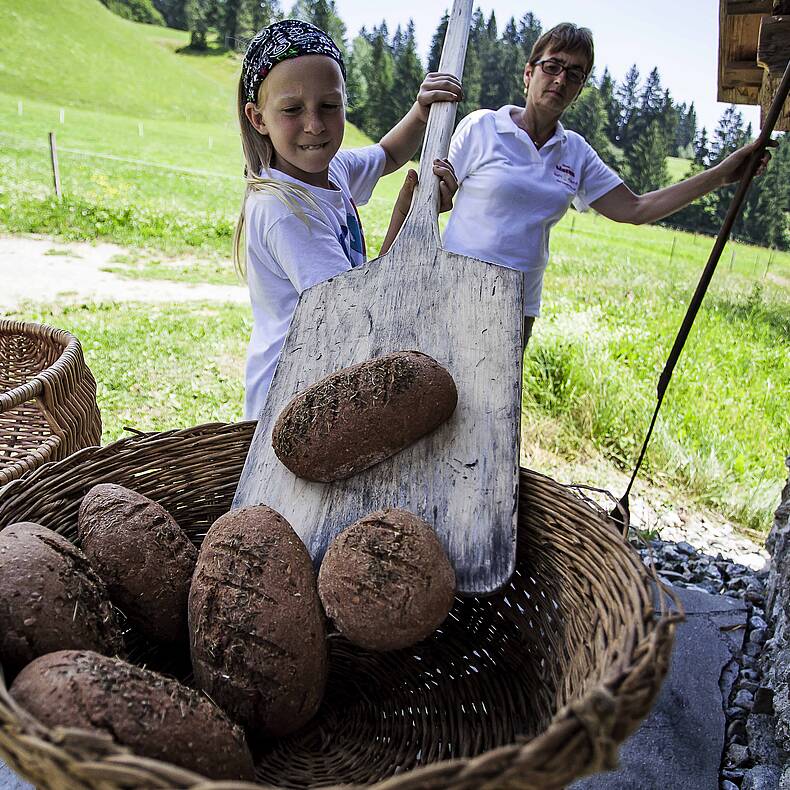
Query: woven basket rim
[67, 342]
[595, 706]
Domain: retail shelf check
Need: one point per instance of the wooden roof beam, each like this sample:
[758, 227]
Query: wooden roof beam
[749, 6]
[742, 73]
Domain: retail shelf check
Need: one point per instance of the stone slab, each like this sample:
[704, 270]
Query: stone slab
[680, 743]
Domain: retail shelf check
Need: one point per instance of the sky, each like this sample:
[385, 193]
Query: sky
[680, 37]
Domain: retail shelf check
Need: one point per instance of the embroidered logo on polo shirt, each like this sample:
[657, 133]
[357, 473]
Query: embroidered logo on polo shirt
[565, 175]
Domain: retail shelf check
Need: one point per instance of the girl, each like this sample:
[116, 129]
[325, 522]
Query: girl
[519, 170]
[300, 215]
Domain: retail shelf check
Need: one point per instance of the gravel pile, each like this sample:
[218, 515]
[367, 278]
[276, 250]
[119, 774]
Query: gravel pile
[681, 565]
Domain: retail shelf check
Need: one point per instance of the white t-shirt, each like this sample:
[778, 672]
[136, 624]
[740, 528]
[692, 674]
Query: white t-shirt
[512, 194]
[285, 257]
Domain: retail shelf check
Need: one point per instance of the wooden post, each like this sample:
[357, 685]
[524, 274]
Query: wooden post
[62, 115]
[573, 222]
[672, 251]
[19, 107]
[210, 141]
[768, 265]
[732, 258]
[53, 151]
[140, 130]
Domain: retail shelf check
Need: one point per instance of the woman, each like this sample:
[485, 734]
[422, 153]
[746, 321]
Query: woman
[519, 170]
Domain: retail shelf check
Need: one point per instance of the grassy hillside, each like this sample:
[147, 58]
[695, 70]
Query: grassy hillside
[77, 53]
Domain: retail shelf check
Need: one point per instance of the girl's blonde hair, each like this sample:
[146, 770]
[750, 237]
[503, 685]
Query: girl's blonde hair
[258, 154]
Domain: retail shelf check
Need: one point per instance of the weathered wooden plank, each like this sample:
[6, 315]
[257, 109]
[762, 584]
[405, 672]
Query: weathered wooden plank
[462, 478]
[773, 46]
[767, 93]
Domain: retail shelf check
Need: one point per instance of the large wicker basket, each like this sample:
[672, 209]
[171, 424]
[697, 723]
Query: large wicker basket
[47, 398]
[530, 688]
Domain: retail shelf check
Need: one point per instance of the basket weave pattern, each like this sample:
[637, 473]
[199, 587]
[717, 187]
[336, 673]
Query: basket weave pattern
[47, 398]
[530, 688]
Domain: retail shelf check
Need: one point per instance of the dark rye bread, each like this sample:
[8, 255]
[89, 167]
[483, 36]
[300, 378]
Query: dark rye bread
[143, 555]
[386, 581]
[50, 598]
[155, 716]
[361, 415]
[257, 630]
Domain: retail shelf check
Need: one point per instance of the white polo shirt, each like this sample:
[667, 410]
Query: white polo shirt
[512, 194]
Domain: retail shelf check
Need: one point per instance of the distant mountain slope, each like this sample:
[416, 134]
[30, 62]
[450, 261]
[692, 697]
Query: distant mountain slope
[77, 53]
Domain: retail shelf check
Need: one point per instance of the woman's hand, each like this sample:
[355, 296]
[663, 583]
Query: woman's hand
[448, 186]
[734, 166]
[437, 87]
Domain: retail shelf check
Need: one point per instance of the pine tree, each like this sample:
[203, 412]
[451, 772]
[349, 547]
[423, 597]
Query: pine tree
[491, 82]
[729, 135]
[511, 66]
[669, 118]
[357, 67]
[472, 78]
[627, 99]
[766, 218]
[529, 31]
[611, 106]
[379, 115]
[408, 73]
[255, 15]
[648, 109]
[587, 117]
[323, 14]
[437, 42]
[702, 147]
[646, 163]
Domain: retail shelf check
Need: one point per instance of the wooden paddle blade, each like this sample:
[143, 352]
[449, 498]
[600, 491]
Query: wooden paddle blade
[463, 477]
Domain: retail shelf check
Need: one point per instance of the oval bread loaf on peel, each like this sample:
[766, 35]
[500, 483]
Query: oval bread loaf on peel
[361, 415]
[142, 554]
[257, 630]
[386, 581]
[50, 598]
[153, 715]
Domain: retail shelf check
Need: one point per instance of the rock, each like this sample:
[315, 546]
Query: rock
[743, 699]
[738, 755]
[736, 732]
[761, 777]
[763, 700]
[762, 743]
[686, 548]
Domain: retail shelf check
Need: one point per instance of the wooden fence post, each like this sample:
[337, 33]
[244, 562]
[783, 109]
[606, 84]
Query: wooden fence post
[53, 151]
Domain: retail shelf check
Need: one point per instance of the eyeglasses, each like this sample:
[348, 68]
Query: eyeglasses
[554, 67]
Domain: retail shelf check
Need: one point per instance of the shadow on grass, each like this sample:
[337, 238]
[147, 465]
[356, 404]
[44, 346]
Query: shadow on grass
[755, 311]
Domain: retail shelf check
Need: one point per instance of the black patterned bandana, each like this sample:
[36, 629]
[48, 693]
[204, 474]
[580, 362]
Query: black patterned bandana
[281, 41]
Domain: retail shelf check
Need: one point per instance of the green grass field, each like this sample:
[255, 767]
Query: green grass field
[149, 158]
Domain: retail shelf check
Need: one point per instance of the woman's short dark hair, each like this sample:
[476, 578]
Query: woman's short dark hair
[565, 37]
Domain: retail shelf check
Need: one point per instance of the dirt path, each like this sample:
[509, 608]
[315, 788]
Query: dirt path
[40, 269]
